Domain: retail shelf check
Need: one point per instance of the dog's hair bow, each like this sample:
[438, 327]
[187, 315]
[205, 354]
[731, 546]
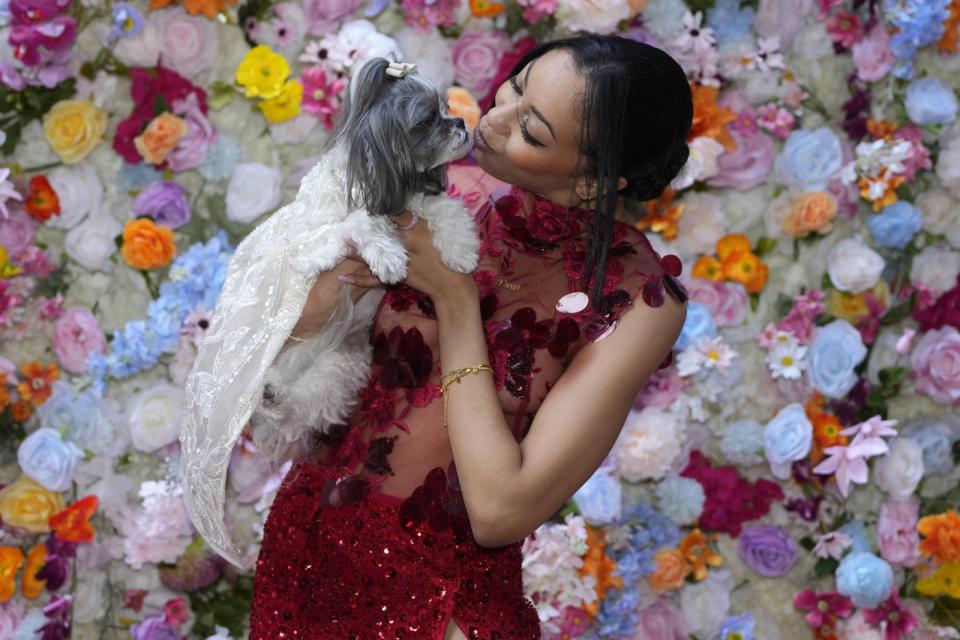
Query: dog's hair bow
[400, 69]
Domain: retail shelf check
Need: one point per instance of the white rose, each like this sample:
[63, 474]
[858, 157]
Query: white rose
[141, 50]
[188, 44]
[649, 444]
[80, 192]
[705, 604]
[91, 243]
[155, 416]
[592, 16]
[948, 165]
[853, 266]
[703, 223]
[254, 189]
[937, 268]
[939, 211]
[900, 470]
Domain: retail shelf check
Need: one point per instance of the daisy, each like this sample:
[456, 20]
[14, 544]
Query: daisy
[707, 353]
[832, 545]
[695, 37]
[787, 360]
[7, 191]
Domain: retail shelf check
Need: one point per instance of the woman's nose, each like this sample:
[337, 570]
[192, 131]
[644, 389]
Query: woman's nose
[498, 118]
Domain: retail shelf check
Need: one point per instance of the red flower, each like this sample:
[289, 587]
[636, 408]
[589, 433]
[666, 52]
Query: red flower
[42, 202]
[438, 504]
[823, 608]
[731, 500]
[551, 222]
[73, 523]
[943, 311]
[900, 621]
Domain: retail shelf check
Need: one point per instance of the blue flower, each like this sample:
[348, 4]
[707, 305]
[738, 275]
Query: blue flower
[599, 498]
[649, 531]
[222, 156]
[918, 23]
[810, 159]
[743, 625]
[742, 442]
[30, 627]
[936, 435]
[931, 101]
[78, 415]
[835, 352]
[896, 225]
[48, 458]
[134, 177]
[865, 579]
[729, 21]
[680, 499]
[127, 22]
[698, 324]
[786, 438]
[858, 534]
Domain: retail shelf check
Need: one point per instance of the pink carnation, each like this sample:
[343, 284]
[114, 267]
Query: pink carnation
[935, 365]
[897, 534]
[872, 55]
[75, 336]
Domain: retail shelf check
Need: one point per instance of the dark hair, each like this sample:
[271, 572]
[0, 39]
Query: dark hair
[636, 112]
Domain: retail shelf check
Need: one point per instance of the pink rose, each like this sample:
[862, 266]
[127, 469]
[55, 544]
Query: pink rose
[727, 301]
[191, 151]
[660, 390]
[476, 58]
[935, 365]
[323, 16]
[75, 336]
[662, 620]
[507, 61]
[872, 55]
[17, 232]
[897, 534]
[746, 166]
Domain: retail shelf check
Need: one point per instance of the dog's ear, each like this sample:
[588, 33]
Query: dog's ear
[366, 85]
[380, 163]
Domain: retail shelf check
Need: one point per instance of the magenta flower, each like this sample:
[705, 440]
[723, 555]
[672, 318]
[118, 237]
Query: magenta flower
[849, 463]
[823, 608]
[900, 620]
[321, 96]
[776, 120]
[846, 29]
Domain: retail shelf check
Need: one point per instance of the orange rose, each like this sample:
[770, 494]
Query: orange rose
[160, 137]
[942, 533]
[672, 570]
[813, 211]
[461, 102]
[147, 245]
[708, 268]
[732, 243]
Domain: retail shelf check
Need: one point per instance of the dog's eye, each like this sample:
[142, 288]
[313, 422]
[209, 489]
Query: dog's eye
[429, 121]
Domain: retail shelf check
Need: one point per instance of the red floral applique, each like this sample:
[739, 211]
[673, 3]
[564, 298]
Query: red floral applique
[437, 503]
[544, 226]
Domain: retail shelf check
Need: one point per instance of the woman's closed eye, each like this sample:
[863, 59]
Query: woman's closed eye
[529, 139]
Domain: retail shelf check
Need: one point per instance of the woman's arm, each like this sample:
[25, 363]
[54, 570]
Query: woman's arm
[510, 489]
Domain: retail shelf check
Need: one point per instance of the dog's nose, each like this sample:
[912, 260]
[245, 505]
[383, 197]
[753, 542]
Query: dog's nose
[461, 124]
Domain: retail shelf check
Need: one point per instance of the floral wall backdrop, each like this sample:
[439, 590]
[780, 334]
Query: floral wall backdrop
[792, 474]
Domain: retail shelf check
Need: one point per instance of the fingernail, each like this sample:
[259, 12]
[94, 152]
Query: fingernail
[346, 278]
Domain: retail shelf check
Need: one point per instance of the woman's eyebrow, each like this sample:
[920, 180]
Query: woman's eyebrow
[536, 112]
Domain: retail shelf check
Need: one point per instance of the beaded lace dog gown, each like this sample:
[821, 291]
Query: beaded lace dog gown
[368, 536]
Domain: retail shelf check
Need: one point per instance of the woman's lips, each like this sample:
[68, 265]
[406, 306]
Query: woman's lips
[479, 141]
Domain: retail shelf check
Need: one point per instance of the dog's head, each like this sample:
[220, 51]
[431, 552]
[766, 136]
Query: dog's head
[397, 135]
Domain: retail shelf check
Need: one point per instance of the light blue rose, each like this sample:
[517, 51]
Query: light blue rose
[742, 443]
[680, 499]
[810, 159]
[865, 579]
[787, 438]
[48, 458]
[599, 498]
[896, 225]
[77, 415]
[931, 101]
[936, 435]
[835, 352]
[858, 534]
[699, 324]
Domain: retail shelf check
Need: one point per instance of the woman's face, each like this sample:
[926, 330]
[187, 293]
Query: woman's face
[529, 137]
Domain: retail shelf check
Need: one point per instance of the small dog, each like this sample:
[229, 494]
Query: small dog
[387, 154]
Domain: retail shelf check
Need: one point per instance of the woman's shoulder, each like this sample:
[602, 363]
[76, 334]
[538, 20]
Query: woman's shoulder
[643, 270]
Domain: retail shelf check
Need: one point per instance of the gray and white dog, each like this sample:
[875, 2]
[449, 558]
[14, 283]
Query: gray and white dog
[386, 154]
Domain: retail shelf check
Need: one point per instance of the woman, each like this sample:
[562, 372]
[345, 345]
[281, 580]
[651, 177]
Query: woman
[405, 527]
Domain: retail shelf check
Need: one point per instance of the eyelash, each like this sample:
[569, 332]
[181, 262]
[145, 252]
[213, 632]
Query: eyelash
[529, 139]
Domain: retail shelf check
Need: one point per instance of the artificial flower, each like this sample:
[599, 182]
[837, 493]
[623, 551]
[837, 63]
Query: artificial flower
[147, 245]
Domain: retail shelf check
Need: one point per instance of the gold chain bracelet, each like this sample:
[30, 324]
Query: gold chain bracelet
[456, 374]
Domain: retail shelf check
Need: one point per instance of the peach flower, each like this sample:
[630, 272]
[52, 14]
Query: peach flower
[672, 569]
[160, 137]
[812, 211]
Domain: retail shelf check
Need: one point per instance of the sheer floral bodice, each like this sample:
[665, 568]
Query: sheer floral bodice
[396, 443]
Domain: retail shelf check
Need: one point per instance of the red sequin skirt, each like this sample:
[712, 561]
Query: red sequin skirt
[353, 572]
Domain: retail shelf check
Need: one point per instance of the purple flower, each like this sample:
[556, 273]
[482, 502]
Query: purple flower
[59, 613]
[164, 201]
[768, 550]
[18, 231]
[748, 165]
[191, 150]
[127, 22]
[54, 571]
[153, 628]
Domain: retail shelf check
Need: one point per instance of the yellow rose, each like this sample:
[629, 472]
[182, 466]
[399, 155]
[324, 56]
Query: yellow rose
[852, 306]
[73, 128]
[28, 504]
[160, 137]
[285, 105]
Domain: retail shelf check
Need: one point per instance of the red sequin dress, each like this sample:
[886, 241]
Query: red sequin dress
[368, 536]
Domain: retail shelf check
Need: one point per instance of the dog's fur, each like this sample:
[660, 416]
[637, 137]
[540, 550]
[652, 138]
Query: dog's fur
[388, 152]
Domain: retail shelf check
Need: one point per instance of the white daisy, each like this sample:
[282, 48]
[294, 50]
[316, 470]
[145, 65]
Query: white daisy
[786, 360]
[695, 37]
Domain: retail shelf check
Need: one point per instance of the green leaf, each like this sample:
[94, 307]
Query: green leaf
[764, 246]
[825, 282]
[899, 312]
[890, 376]
[946, 612]
[754, 302]
[160, 105]
[825, 567]
[784, 304]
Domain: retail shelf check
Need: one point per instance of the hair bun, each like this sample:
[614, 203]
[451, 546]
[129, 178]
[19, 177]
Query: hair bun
[652, 184]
